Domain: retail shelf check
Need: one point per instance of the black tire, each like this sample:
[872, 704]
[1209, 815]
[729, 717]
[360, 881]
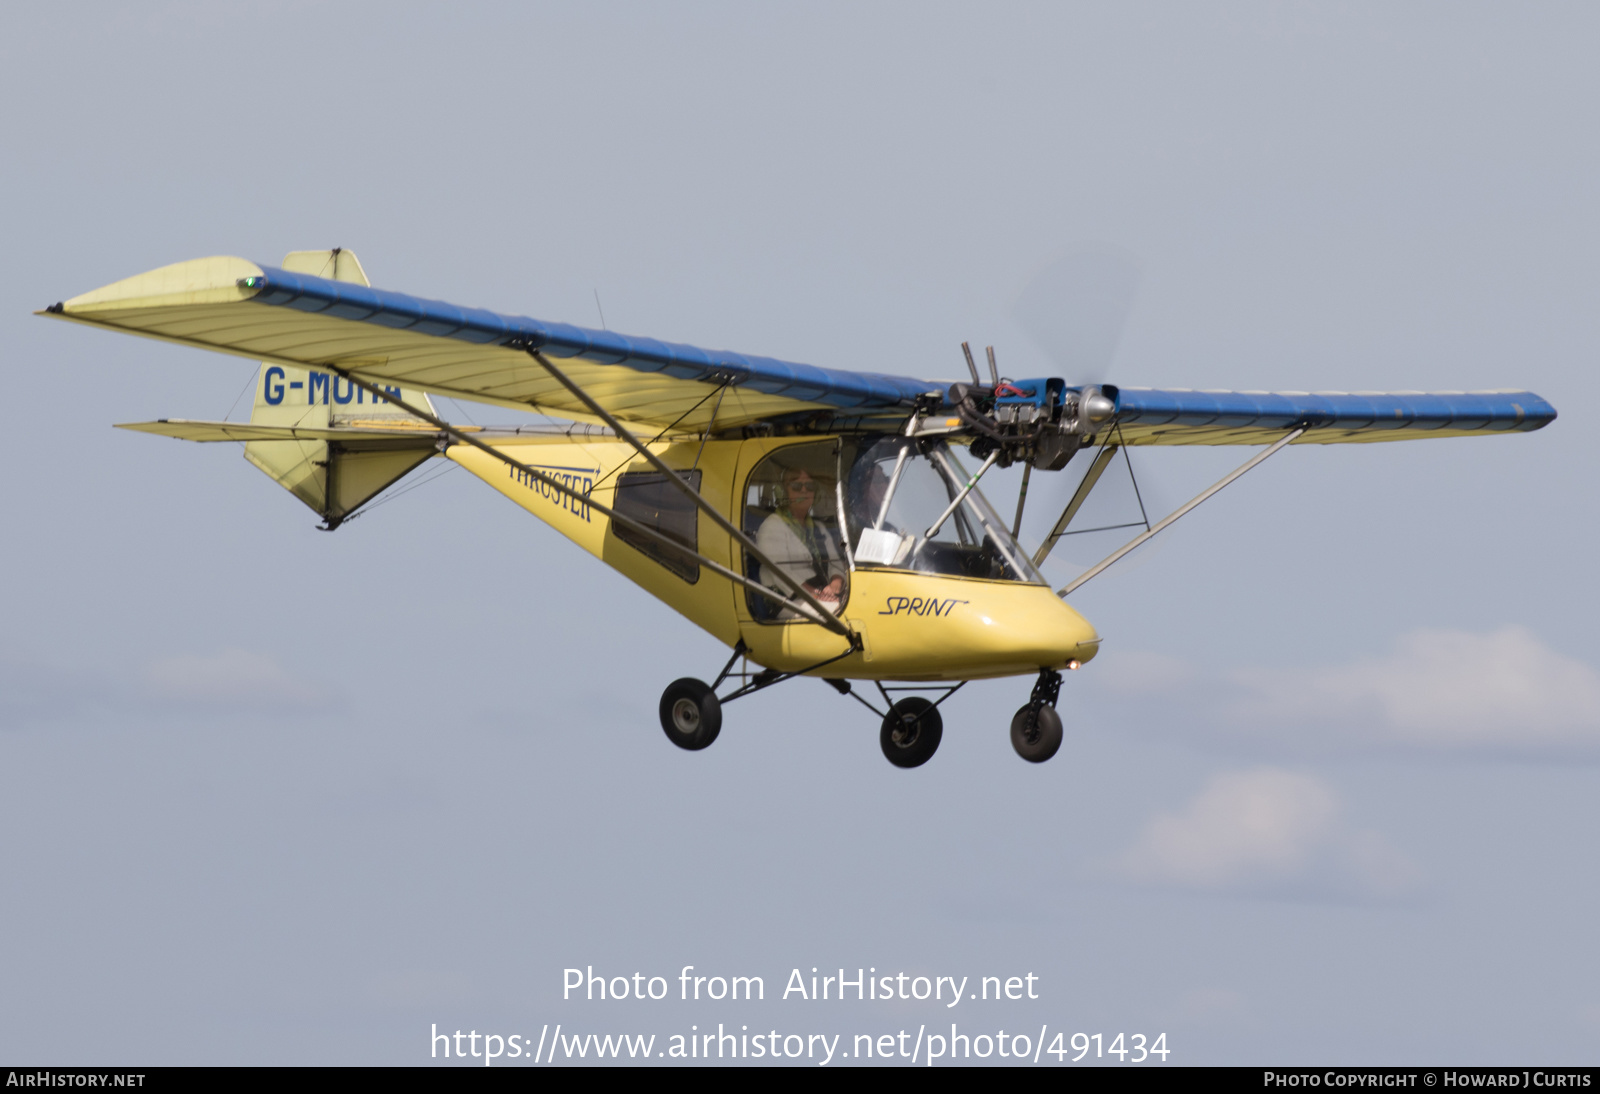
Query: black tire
[691, 714]
[1036, 737]
[911, 732]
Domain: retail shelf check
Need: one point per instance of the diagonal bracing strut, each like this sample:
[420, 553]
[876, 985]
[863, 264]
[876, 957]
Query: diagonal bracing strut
[810, 606]
[1101, 566]
[1102, 460]
[824, 616]
[576, 495]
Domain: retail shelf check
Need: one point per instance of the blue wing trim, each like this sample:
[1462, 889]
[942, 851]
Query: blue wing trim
[1496, 411]
[807, 383]
[1169, 412]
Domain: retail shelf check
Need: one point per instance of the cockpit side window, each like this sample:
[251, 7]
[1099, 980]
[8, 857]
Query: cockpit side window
[791, 510]
[650, 499]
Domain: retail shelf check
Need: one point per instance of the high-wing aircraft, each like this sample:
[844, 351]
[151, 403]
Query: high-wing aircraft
[819, 522]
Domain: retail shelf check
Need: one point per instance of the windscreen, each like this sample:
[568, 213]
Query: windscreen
[913, 506]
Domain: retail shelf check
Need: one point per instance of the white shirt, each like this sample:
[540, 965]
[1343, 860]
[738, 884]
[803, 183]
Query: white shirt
[780, 541]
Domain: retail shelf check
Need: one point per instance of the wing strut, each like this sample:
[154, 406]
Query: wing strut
[818, 611]
[1099, 567]
[1022, 499]
[1102, 460]
[559, 487]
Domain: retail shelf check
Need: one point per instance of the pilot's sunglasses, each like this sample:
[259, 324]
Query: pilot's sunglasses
[804, 487]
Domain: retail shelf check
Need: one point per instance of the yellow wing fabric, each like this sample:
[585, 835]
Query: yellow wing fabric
[387, 338]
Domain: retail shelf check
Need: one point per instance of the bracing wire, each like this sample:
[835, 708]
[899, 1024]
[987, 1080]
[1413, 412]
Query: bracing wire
[1145, 517]
[718, 392]
[365, 509]
[249, 381]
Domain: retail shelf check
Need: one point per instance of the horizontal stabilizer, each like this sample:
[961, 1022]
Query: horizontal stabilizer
[185, 429]
[420, 435]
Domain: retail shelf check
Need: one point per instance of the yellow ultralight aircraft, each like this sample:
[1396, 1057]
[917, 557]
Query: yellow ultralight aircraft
[820, 522]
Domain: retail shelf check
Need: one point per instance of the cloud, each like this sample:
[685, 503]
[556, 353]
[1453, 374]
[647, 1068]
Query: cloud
[226, 682]
[1504, 691]
[1450, 688]
[1267, 831]
[231, 678]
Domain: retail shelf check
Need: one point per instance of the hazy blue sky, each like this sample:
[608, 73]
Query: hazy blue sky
[1328, 794]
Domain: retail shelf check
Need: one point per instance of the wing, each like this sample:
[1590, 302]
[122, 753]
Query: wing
[1153, 416]
[237, 307]
[264, 313]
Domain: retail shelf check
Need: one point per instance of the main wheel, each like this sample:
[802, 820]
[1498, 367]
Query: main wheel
[1036, 736]
[911, 732]
[691, 714]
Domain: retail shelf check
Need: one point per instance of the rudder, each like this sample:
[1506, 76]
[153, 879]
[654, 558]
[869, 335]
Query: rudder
[333, 478]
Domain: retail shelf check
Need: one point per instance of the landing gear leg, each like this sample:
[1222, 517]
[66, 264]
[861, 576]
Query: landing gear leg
[691, 710]
[1036, 728]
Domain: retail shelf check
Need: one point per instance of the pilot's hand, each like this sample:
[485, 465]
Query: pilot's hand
[828, 593]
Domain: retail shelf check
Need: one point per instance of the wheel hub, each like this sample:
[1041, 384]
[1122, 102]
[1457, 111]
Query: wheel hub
[906, 735]
[686, 715]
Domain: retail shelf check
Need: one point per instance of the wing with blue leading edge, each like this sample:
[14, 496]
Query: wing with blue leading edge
[1148, 416]
[387, 338]
[261, 312]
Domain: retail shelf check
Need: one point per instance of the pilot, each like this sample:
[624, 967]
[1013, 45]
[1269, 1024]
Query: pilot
[799, 545]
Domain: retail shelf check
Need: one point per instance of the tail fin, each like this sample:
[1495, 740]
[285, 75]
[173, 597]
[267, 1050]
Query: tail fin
[334, 478]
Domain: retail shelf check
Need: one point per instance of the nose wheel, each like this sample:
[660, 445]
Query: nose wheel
[1036, 728]
[1036, 734]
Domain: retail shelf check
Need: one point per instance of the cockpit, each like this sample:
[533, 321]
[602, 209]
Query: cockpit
[822, 510]
[915, 507]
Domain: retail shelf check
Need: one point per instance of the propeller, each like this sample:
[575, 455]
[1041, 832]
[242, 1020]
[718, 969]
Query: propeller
[1076, 310]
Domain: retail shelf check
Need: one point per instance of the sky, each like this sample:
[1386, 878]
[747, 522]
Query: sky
[1327, 795]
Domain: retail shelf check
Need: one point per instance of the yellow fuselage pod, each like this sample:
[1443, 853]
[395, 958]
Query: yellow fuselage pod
[912, 626]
